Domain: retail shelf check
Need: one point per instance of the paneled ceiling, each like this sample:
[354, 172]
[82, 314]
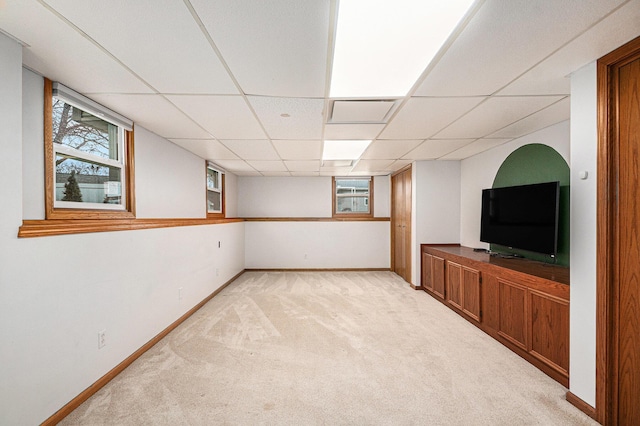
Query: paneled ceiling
[245, 83]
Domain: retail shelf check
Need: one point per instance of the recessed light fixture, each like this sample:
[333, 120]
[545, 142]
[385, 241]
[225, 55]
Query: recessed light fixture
[344, 149]
[382, 47]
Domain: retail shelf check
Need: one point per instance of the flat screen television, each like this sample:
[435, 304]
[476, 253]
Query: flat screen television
[522, 217]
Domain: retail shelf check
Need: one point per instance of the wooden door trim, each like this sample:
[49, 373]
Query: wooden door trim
[607, 266]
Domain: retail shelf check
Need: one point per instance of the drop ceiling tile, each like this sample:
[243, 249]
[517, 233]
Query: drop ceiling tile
[389, 149]
[225, 117]
[372, 165]
[474, 148]
[239, 167]
[274, 48]
[360, 111]
[551, 76]
[76, 62]
[268, 166]
[302, 120]
[305, 173]
[436, 148]
[505, 39]
[560, 111]
[209, 149]
[352, 131]
[398, 164]
[299, 149]
[303, 166]
[260, 149]
[158, 40]
[154, 113]
[275, 174]
[334, 171]
[421, 118]
[495, 114]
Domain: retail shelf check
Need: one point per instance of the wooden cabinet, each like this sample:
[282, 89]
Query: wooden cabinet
[523, 304]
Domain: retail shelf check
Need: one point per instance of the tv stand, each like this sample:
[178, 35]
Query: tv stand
[521, 303]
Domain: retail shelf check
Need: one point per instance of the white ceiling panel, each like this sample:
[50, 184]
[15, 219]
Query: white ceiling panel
[66, 61]
[275, 47]
[389, 149]
[421, 118]
[360, 111]
[158, 39]
[553, 114]
[436, 148]
[225, 117]
[209, 149]
[275, 174]
[239, 167]
[552, 75]
[289, 118]
[474, 148]
[398, 164]
[352, 131]
[372, 165]
[268, 166]
[495, 114]
[505, 39]
[260, 149]
[298, 149]
[301, 174]
[303, 166]
[155, 113]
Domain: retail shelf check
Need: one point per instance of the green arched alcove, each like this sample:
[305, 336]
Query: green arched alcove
[538, 163]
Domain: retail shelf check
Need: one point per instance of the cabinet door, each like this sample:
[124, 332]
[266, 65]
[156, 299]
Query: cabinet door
[427, 276]
[454, 284]
[513, 323]
[471, 292]
[550, 330]
[437, 276]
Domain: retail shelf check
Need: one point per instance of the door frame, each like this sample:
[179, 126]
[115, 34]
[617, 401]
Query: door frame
[607, 266]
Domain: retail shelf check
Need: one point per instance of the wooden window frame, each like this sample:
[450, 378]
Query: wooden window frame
[57, 213]
[223, 192]
[334, 201]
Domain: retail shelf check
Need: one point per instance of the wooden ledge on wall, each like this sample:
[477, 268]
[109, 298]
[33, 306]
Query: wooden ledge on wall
[43, 228]
[317, 219]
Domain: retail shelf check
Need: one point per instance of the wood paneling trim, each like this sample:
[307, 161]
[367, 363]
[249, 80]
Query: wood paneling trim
[318, 270]
[44, 228]
[581, 405]
[316, 219]
[100, 383]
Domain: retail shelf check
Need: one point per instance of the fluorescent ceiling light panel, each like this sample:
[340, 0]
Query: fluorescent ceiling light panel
[344, 149]
[383, 46]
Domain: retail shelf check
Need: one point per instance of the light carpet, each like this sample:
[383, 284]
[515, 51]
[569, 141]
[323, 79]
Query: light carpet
[314, 348]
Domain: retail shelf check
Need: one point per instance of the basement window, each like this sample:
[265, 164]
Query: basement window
[215, 192]
[353, 197]
[89, 151]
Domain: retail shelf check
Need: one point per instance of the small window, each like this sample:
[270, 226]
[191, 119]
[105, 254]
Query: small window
[89, 150]
[215, 189]
[352, 197]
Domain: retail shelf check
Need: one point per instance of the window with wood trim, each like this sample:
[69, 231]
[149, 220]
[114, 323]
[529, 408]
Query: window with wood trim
[88, 158]
[352, 196]
[215, 192]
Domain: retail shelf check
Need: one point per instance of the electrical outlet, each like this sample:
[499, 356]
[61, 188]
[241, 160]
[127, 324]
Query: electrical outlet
[102, 339]
[305, 256]
[217, 272]
[180, 293]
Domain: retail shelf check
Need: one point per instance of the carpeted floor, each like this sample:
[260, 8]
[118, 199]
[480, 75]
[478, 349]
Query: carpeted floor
[311, 348]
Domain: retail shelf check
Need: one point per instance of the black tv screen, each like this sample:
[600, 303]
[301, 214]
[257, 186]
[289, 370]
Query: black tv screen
[523, 217]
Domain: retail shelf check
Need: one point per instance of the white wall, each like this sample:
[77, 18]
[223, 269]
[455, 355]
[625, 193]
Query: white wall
[436, 212]
[353, 244]
[57, 293]
[479, 171]
[584, 145]
[313, 245]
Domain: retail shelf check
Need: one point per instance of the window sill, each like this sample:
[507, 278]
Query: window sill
[44, 228]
